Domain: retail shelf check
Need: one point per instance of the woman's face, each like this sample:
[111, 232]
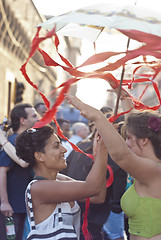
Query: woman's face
[54, 154]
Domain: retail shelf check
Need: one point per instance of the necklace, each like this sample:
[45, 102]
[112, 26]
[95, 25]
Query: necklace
[39, 178]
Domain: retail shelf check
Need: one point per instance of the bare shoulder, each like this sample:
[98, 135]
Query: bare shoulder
[62, 177]
[147, 171]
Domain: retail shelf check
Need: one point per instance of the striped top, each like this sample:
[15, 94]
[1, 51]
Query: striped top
[62, 216]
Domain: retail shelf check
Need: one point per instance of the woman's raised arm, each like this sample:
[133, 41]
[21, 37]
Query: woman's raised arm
[140, 167]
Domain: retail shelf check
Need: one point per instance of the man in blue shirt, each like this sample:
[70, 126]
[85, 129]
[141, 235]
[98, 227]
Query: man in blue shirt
[13, 178]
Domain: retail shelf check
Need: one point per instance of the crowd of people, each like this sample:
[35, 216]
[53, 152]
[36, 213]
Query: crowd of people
[59, 193]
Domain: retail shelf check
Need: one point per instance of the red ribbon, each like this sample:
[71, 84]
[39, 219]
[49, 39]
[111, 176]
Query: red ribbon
[152, 47]
[86, 233]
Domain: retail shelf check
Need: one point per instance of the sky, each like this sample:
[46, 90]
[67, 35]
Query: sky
[54, 8]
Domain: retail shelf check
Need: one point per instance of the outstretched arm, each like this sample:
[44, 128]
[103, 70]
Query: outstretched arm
[108, 133]
[141, 168]
[10, 150]
[65, 191]
[99, 153]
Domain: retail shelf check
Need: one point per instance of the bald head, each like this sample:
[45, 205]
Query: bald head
[80, 129]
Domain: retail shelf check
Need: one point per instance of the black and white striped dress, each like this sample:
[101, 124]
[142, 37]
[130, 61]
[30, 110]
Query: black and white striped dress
[63, 223]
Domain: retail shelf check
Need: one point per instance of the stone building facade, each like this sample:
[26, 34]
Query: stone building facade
[18, 19]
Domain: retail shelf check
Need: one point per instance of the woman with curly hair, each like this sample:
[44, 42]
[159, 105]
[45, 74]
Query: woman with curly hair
[51, 197]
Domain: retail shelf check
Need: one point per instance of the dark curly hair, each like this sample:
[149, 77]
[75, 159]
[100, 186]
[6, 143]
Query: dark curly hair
[31, 141]
[137, 124]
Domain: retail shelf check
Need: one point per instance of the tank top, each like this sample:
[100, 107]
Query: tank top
[70, 216]
[144, 213]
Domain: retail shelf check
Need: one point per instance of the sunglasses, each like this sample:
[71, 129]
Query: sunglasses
[31, 130]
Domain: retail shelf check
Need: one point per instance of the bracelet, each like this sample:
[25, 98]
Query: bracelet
[5, 143]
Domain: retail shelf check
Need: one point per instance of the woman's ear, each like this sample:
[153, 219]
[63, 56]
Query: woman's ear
[39, 156]
[144, 142]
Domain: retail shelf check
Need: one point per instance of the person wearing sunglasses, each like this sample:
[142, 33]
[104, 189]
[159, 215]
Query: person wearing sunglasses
[52, 193]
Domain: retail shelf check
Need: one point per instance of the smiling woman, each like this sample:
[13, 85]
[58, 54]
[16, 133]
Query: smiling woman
[51, 197]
